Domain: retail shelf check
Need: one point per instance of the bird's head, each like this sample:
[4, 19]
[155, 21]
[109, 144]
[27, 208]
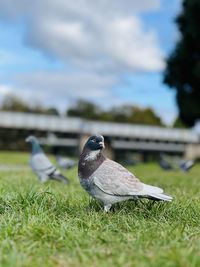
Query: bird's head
[95, 142]
[31, 139]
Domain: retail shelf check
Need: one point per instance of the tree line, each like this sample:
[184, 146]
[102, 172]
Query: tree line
[14, 103]
[88, 110]
[123, 114]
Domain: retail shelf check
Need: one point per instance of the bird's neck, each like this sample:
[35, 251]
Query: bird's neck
[36, 148]
[89, 162]
[92, 155]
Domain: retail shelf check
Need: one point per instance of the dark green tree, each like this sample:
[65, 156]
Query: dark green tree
[13, 103]
[84, 109]
[137, 115]
[183, 65]
[124, 114]
[145, 116]
[178, 123]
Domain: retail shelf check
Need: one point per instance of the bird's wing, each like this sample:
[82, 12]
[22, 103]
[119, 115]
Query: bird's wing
[40, 163]
[114, 179]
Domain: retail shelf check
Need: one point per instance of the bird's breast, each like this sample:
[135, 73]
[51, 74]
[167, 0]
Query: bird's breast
[87, 168]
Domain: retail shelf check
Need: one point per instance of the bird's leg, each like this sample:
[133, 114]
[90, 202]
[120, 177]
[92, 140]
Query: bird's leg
[43, 177]
[107, 207]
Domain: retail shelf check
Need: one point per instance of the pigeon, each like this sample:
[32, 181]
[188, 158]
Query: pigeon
[65, 163]
[164, 163]
[186, 165]
[41, 165]
[108, 181]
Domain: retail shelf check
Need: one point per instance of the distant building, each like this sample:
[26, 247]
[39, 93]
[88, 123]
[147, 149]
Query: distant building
[70, 133]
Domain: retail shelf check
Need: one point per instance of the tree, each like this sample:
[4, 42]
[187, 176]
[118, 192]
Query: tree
[52, 111]
[178, 123]
[124, 114]
[13, 103]
[133, 114]
[84, 109]
[183, 65]
[146, 116]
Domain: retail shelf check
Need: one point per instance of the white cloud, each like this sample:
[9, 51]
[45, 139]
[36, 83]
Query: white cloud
[61, 88]
[90, 32]
[98, 40]
[5, 89]
[71, 84]
[130, 47]
[12, 8]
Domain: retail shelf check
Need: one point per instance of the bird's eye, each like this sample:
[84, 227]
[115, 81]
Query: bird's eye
[93, 140]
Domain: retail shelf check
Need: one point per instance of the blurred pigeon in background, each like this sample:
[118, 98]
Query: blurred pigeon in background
[164, 163]
[65, 163]
[175, 164]
[186, 165]
[41, 165]
[108, 181]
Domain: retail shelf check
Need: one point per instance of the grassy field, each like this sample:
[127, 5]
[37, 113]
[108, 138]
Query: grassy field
[55, 225]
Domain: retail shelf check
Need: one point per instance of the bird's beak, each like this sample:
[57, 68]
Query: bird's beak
[27, 140]
[101, 144]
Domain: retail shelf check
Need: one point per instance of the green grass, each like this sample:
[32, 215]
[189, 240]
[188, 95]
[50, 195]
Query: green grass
[56, 225]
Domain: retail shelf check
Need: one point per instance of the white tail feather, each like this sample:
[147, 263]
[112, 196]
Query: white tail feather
[155, 192]
[161, 197]
[152, 189]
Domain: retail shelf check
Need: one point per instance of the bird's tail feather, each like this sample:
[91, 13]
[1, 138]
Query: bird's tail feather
[155, 193]
[152, 189]
[59, 177]
[158, 197]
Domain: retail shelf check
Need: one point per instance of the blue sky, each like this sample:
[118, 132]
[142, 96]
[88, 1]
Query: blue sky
[112, 53]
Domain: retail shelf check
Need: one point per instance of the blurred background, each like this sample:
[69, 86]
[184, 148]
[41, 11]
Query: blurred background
[129, 70]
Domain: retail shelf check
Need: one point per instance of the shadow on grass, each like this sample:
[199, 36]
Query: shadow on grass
[140, 208]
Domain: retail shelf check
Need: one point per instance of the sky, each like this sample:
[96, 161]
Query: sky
[110, 52]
